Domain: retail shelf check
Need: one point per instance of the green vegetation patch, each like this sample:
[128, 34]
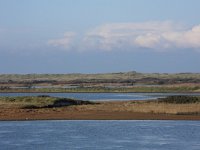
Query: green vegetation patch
[40, 102]
[107, 90]
[180, 99]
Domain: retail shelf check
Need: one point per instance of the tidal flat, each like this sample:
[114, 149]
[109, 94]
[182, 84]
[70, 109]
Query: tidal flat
[44, 107]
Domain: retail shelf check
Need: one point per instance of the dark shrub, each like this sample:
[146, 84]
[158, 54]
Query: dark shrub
[43, 96]
[67, 102]
[30, 107]
[180, 99]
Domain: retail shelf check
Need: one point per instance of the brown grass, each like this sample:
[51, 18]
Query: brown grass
[143, 107]
[11, 109]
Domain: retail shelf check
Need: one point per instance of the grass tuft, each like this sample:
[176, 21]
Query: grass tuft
[34, 102]
[180, 99]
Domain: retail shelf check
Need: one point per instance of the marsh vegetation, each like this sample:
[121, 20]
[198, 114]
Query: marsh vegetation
[110, 82]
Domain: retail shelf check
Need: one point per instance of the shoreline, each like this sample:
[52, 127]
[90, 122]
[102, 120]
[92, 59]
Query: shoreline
[54, 108]
[117, 110]
[99, 92]
[99, 116]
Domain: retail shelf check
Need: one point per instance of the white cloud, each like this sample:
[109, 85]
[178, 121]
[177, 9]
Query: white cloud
[159, 36]
[185, 39]
[132, 35]
[65, 42]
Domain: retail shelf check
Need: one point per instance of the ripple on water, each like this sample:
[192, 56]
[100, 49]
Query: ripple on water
[95, 135]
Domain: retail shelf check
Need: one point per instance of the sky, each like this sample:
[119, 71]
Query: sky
[99, 36]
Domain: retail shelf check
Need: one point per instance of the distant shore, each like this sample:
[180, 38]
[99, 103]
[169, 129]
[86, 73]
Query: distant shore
[161, 89]
[121, 82]
[96, 92]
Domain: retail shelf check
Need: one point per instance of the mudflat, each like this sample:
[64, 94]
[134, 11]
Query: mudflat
[115, 110]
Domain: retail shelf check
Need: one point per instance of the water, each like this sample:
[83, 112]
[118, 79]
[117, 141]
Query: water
[102, 96]
[98, 135]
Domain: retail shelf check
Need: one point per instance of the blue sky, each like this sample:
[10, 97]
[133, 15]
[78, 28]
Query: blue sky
[94, 36]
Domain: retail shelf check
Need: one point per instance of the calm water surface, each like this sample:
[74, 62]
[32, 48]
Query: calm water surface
[101, 96]
[99, 135]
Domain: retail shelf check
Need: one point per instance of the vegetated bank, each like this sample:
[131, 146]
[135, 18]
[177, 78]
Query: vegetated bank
[108, 82]
[45, 107]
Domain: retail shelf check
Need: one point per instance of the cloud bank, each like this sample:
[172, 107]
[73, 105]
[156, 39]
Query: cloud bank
[65, 42]
[158, 36]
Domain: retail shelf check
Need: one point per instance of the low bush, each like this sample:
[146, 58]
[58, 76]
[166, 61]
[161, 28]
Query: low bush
[180, 99]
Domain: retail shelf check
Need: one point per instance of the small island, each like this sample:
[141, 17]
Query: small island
[44, 107]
